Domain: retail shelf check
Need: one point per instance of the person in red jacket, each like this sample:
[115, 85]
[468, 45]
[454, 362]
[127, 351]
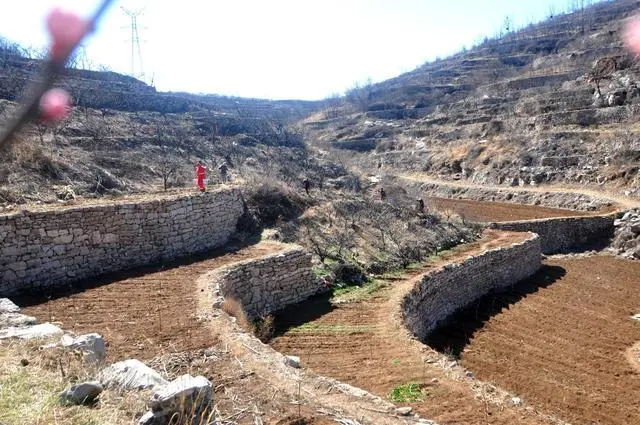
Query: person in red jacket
[201, 173]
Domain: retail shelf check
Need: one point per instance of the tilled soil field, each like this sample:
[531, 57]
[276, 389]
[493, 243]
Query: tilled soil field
[359, 343]
[479, 211]
[144, 313]
[563, 341]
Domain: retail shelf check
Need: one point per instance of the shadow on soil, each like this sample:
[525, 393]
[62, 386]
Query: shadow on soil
[36, 298]
[304, 312]
[453, 337]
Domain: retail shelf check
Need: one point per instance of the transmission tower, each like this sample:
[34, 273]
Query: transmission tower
[136, 51]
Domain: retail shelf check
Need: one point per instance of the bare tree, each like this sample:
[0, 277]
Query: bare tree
[168, 164]
[361, 95]
[602, 70]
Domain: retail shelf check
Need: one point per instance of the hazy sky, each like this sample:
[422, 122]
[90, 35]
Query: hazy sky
[304, 49]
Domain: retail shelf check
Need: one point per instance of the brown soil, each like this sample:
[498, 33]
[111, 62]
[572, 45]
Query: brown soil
[361, 343]
[144, 313]
[479, 211]
[564, 346]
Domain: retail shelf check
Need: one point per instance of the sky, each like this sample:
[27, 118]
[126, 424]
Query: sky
[275, 49]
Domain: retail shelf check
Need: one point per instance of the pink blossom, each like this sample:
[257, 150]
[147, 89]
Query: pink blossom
[55, 105]
[632, 35]
[66, 30]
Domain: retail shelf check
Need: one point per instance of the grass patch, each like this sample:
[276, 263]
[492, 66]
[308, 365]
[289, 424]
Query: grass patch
[406, 393]
[335, 328]
[357, 293]
[29, 394]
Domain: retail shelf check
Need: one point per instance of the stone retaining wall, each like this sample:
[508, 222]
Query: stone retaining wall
[565, 233]
[42, 250]
[443, 292]
[269, 283]
[568, 200]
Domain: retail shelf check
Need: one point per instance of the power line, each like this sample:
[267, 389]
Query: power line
[136, 50]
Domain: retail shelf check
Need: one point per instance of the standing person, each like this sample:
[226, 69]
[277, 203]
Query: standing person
[307, 185]
[224, 170]
[201, 173]
[383, 194]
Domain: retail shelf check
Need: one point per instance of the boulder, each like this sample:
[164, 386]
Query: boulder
[293, 361]
[17, 320]
[185, 394]
[7, 306]
[151, 418]
[92, 345]
[131, 375]
[404, 411]
[85, 393]
[32, 332]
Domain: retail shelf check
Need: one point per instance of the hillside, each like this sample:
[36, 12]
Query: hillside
[518, 110]
[125, 137]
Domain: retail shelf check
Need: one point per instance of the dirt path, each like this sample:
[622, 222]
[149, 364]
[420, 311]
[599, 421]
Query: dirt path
[364, 344]
[563, 346]
[145, 313]
[623, 201]
[479, 211]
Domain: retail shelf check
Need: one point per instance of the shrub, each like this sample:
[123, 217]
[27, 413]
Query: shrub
[406, 393]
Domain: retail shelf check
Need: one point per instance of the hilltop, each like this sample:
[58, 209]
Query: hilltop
[523, 109]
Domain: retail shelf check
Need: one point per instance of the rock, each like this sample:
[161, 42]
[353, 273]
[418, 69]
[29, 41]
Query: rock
[85, 393]
[404, 411]
[92, 345]
[636, 317]
[151, 418]
[293, 361]
[131, 375]
[7, 306]
[16, 320]
[516, 401]
[32, 332]
[184, 394]
[24, 362]
[470, 374]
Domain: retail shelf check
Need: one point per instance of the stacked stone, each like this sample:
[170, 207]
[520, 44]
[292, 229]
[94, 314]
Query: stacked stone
[269, 283]
[43, 250]
[561, 234]
[626, 241]
[445, 291]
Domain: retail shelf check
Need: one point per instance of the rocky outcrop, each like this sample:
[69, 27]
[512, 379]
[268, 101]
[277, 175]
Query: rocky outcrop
[626, 240]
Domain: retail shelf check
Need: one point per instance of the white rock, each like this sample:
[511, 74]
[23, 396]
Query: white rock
[182, 393]
[16, 320]
[7, 306]
[131, 374]
[516, 401]
[404, 411]
[91, 344]
[636, 317]
[32, 332]
[84, 393]
[293, 361]
[151, 418]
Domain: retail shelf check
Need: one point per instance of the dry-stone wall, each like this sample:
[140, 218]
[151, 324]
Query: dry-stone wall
[562, 234]
[568, 200]
[441, 293]
[269, 283]
[42, 250]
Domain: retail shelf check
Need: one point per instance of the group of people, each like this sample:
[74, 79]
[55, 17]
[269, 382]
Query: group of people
[201, 174]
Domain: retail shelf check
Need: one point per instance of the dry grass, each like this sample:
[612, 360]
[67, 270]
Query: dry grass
[29, 394]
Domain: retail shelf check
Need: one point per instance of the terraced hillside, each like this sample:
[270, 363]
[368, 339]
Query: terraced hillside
[518, 110]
